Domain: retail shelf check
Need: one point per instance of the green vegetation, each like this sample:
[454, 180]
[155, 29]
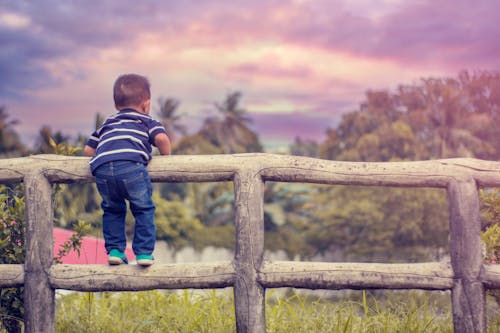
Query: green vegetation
[208, 311]
[11, 252]
[12, 241]
[431, 119]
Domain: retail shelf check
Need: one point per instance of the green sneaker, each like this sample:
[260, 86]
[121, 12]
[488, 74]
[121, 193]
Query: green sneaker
[145, 259]
[117, 257]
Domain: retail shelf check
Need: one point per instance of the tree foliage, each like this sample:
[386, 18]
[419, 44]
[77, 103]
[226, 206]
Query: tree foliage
[170, 118]
[12, 241]
[231, 132]
[437, 118]
[212, 203]
[10, 142]
[432, 118]
[12, 251]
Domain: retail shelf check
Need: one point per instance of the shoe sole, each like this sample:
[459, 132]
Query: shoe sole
[115, 261]
[145, 262]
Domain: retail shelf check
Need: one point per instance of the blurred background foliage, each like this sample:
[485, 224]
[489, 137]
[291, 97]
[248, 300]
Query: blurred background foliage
[432, 119]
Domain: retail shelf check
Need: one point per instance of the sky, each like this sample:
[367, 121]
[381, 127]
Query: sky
[299, 64]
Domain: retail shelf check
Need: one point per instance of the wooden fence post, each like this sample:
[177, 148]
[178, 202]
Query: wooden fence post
[249, 295]
[468, 292]
[39, 302]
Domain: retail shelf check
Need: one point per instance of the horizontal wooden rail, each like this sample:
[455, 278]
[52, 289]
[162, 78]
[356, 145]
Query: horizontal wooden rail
[134, 277]
[311, 275]
[283, 168]
[490, 276]
[11, 276]
[334, 276]
[426, 276]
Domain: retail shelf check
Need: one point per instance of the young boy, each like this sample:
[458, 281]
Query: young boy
[120, 151]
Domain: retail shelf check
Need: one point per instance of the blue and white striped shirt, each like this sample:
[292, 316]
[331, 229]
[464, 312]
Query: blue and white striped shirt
[125, 136]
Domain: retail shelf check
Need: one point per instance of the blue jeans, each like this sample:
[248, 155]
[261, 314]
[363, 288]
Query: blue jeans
[118, 181]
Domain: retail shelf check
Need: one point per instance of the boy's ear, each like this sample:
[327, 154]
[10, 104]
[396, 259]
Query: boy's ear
[146, 105]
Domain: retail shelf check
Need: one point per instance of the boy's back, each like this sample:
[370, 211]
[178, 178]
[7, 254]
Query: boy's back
[127, 135]
[121, 150]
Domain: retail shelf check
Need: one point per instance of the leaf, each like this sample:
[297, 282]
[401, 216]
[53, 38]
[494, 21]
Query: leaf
[53, 144]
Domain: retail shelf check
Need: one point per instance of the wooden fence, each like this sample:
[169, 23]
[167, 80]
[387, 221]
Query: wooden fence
[466, 276]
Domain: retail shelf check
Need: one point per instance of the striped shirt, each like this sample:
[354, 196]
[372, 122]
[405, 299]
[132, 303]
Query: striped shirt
[125, 136]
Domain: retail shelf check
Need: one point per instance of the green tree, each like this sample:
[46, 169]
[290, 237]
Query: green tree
[212, 203]
[99, 120]
[437, 118]
[490, 227]
[376, 132]
[490, 218]
[195, 144]
[448, 117]
[170, 119]
[287, 218]
[174, 222]
[12, 251]
[10, 143]
[12, 244]
[304, 147]
[373, 224]
[46, 138]
[454, 117]
[231, 133]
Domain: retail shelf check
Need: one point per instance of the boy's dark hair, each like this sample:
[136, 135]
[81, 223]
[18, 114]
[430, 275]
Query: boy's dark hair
[131, 89]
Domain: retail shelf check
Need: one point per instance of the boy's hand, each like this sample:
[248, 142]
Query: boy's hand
[88, 151]
[162, 142]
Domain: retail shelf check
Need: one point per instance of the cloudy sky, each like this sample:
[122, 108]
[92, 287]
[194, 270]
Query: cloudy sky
[299, 64]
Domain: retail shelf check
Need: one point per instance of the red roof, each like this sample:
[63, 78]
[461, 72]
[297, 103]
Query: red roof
[91, 252]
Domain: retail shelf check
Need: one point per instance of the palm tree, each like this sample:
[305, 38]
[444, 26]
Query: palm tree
[232, 132]
[10, 143]
[231, 111]
[99, 120]
[169, 117]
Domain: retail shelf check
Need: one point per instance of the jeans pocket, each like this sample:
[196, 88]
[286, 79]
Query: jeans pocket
[139, 186]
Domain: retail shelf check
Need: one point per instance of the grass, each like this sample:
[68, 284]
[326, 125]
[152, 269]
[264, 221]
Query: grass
[209, 311]
[298, 314]
[152, 311]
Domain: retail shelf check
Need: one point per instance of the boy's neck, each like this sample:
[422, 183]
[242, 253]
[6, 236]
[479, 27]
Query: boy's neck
[130, 108]
[135, 108]
[143, 108]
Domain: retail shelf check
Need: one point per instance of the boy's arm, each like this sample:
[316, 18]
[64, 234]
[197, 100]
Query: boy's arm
[162, 142]
[88, 151]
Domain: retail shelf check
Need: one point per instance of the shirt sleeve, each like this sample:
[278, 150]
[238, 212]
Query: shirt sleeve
[93, 140]
[155, 128]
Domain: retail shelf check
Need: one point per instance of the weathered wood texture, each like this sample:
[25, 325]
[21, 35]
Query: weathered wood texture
[249, 295]
[468, 293]
[136, 278]
[490, 276]
[277, 274]
[334, 276]
[11, 276]
[203, 168]
[39, 297]
[248, 274]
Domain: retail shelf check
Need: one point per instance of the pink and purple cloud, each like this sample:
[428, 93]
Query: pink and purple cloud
[300, 61]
